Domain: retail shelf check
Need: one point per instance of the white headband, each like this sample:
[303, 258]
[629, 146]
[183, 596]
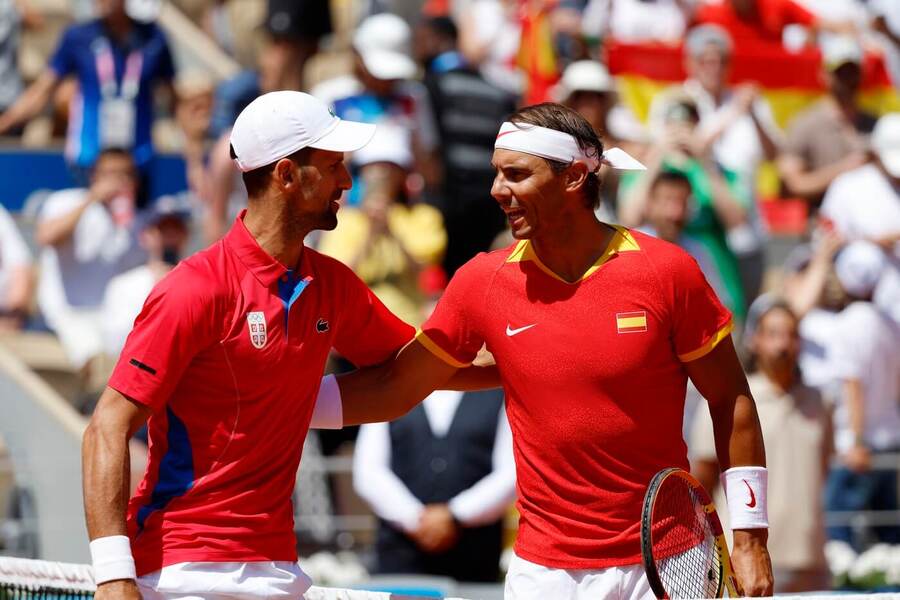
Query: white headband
[556, 145]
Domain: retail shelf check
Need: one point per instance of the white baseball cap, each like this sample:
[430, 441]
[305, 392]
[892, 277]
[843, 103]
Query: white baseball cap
[390, 144]
[885, 142]
[840, 50]
[859, 267]
[277, 124]
[585, 76]
[143, 11]
[383, 43]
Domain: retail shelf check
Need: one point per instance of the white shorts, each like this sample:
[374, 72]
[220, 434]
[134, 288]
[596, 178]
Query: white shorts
[225, 581]
[529, 581]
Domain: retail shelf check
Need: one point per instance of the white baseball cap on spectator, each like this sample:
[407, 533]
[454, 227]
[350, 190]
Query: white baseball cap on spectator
[584, 76]
[143, 11]
[885, 142]
[841, 50]
[859, 266]
[383, 43]
[277, 124]
[390, 144]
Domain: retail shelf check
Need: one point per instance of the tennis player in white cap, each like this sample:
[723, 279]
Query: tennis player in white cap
[595, 329]
[225, 360]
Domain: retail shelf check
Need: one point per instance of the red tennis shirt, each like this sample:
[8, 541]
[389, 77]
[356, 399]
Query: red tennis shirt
[594, 379]
[228, 352]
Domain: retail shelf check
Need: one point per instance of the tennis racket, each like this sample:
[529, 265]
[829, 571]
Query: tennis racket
[682, 542]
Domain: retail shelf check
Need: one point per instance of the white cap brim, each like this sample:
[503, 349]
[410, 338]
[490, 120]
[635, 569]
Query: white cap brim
[346, 136]
[387, 65]
[891, 161]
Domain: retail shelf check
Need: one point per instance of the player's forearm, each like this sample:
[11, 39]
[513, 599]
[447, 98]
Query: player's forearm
[378, 394]
[739, 440]
[472, 379]
[106, 479]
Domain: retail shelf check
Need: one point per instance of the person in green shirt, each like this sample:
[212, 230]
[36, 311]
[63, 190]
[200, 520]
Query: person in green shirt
[720, 198]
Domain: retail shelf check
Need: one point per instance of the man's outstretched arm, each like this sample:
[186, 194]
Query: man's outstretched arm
[739, 443]
[106, 473]
[390, 390]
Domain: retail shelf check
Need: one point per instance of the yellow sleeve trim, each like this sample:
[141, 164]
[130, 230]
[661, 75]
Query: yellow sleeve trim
[708, 346]
[442, 354]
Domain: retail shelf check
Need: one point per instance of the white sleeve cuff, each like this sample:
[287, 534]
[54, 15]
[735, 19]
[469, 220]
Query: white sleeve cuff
[746, 491]
[329, 410]
[111, 558]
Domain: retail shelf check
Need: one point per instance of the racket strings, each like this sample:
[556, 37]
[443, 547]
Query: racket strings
[684, 543]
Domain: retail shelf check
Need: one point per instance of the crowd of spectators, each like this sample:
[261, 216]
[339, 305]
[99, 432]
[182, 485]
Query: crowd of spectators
[818, 312]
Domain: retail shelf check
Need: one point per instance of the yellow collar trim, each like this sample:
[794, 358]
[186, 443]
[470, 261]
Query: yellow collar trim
[622, 241]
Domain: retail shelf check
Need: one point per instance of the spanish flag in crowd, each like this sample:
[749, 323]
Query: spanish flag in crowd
[537, 55]
[790, 81]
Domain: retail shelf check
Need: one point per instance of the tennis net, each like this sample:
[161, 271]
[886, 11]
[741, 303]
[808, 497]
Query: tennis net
[24, 579]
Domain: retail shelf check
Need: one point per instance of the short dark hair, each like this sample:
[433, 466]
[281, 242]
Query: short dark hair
[564, 119]
[443, 26]
[670, 177]
[113, 151]
[257, 180]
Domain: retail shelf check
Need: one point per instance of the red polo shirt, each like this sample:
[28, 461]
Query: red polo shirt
[594, 380]
[228, 352]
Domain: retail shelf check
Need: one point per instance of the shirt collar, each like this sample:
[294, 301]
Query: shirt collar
[264, 267]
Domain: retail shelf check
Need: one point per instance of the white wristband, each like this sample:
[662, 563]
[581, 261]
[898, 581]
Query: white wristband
[112, 559]
[746, 490]
[329, 411]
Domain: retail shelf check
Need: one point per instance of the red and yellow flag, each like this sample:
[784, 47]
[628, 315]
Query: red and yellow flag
[790, 81]
[537, 54]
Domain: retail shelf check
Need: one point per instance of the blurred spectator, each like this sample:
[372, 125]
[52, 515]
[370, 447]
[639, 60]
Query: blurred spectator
[88, 238]
[218, 183]
[886, 23]
[867, 414]
[796, 428]
[164, 235]
[751, 21]
[382, 91]
[864, 204]
[827, 139]
[720, 201]
[668, 211]
[636, 21]
[439, 479]
[116, 60]
[468, 111]
[489, 38]
[815, 296]
[296, 26]
[738, 123]
[587, 87]
[388, 241]
[10, 80]
[16, 276]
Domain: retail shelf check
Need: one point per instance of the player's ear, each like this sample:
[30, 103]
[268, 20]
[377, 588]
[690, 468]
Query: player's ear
[285, 173]
[576, 176]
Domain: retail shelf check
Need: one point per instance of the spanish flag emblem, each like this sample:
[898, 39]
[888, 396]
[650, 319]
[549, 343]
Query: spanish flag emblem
[631, 322]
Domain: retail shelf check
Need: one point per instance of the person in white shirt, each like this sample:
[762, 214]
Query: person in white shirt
[637, 21]
[16, 277]
[867, 414]
[164, 236]
[864, 204]
[88, 237]
[440, 480]
[737, 124]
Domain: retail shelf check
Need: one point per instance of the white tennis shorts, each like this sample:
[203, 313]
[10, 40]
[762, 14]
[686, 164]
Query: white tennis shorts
[225, 581]
[529, 581]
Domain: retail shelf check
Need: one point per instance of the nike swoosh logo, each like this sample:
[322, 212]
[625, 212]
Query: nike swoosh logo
[511, 332]
[752, 502]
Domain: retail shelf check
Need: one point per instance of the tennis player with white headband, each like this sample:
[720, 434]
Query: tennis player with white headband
[595, 330]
